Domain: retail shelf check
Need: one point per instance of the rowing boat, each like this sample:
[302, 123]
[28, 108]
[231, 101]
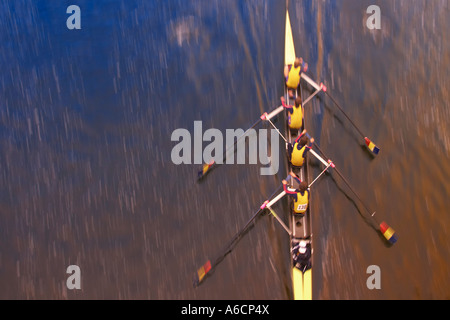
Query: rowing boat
[299, 225]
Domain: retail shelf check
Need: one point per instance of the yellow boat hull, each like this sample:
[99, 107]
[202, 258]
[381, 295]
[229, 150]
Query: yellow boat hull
[302, 284]
[289, 49]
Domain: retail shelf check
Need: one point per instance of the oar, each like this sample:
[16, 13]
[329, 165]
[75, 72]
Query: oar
[209, 266]
[211, 165]
[369, 143]
[372, 147]
[385, 229]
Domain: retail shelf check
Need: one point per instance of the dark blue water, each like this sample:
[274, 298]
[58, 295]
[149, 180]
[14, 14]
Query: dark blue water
[87, 178]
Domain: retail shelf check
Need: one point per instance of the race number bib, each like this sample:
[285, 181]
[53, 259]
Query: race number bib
[302, 207]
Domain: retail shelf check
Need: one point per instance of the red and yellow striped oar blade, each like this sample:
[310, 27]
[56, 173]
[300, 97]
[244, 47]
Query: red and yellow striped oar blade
[202, 272]
[205, 169]
[372, 147]
[388, 233]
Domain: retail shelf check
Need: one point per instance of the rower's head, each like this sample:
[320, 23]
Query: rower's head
[298, 62]
[302, 248]
[298, 102]
[303, 186]
[303, 140]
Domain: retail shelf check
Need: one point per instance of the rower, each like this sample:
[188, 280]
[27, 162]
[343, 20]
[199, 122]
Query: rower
[292, 74]
[300, 195]
[301, 255]
[299, 148]
[295, 118]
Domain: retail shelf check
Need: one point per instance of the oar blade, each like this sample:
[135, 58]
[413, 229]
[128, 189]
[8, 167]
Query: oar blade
[372, 147]
[205, 169]
[201, 273]
[388, 233]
